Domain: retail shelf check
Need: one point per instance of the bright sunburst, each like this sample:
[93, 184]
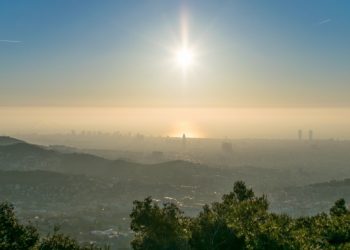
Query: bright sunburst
[184, 57]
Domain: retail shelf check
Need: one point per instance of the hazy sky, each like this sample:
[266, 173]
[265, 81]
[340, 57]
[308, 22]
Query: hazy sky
[247, 59]
[194, 122]
[121, 53]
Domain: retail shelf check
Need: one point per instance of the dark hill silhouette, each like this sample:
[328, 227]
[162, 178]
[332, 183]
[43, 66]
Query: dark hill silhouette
[77, 163]
[7, 140]
[26, 149]
[24, 156]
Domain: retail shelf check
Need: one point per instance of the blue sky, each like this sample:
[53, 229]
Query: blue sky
[249, 53]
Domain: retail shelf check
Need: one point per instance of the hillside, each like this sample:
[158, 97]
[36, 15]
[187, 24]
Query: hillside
[24, 156]
[89, 194]
[7, 140]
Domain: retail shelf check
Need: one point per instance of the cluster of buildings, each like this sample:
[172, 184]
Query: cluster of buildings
[310, 135]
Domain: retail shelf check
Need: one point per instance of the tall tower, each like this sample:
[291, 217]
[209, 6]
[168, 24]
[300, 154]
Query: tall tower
[184, 141]
[300, 134]
[311, 135]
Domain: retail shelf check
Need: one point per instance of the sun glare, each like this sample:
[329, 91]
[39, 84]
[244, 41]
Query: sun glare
[188, 129]
[184, 57]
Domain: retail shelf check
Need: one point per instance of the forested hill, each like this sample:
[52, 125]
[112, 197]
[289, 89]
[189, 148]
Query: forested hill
[7, 140]
[23, 156]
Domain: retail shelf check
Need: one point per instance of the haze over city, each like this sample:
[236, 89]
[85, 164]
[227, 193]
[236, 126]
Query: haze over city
[236, 123]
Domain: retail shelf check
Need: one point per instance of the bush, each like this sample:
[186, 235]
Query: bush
[240, 221]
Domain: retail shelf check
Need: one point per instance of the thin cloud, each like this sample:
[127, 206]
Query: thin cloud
[9, 41]
[325, 21]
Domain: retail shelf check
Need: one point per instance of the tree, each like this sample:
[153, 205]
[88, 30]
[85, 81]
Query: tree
[230, 224]
[339, 208]
[13, 235]
[240, 221]
[276, 232]
[211, 232]
[335, 231]
[158, 228]
[58, 241]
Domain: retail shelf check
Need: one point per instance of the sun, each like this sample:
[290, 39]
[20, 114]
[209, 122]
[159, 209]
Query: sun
[184, 57]
[189, 129]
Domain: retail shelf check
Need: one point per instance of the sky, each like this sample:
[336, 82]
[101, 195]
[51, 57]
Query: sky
[246, 54]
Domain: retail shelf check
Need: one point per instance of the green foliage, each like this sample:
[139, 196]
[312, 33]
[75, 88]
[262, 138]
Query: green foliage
[240, 221]
[210, 231]
[13, 235]
[337, 231]
[240, 193]
[58, 242]
[339, 208]
[275, 233]
[158, 228]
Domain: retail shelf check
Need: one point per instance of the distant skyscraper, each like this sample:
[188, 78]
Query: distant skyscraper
[300, 134]
[311, 135]
[183, 140]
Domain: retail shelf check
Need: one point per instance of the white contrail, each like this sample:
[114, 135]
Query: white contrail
[325, 21]
[9, 41]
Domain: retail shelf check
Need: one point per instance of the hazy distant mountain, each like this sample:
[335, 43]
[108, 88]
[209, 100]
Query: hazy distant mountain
[63, 148]
[6, 140]
[24, 156]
